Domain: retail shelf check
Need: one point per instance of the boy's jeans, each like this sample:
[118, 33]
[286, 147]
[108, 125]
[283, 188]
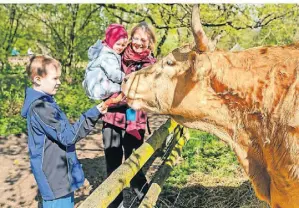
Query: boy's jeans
[63, 202]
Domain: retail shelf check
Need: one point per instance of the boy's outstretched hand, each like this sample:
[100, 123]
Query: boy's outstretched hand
[102, 107]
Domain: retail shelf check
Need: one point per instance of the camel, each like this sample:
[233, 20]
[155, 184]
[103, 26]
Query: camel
[249, 99]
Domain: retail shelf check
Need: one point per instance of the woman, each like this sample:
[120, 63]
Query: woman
[124, 128]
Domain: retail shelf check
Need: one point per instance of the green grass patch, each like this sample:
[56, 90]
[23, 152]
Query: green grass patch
[208, 176]
[206, 154]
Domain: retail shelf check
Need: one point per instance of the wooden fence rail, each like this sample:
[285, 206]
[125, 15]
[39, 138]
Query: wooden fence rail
[104, 194]
[162, 174]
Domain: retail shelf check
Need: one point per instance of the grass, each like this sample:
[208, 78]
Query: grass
[208, 176]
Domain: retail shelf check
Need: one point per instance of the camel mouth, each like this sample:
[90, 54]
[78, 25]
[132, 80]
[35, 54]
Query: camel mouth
[140, 104]
[134, 103]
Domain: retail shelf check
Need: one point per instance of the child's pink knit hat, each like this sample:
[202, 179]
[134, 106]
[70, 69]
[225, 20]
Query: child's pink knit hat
[114, 32]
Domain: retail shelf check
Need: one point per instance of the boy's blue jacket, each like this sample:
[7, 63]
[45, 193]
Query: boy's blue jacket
[51, 141]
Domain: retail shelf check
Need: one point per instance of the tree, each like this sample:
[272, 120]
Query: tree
[12, 27]
[65, 31]
[68, 30]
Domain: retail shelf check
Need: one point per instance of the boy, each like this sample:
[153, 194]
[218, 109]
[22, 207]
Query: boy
[51, 138]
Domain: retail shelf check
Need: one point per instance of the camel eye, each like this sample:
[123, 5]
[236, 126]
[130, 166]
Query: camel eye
[170, 62]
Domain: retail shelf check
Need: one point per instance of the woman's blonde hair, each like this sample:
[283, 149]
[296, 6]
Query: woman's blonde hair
[150, 32]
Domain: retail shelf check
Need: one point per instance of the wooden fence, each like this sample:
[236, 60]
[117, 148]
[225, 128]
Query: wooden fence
[170, 134]
[18, 60]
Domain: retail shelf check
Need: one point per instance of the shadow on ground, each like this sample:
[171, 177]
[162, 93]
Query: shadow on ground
[95, 173]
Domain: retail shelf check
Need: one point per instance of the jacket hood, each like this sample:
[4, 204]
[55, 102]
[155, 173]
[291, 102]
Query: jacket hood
[30, 96]
[94, 50]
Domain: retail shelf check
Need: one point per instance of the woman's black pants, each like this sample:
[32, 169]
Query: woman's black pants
[116, 144]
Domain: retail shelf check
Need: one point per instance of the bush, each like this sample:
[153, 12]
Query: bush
[12, 97]
[71, 99]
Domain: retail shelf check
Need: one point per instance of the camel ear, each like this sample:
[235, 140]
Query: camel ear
[192, 70]
[192, 60]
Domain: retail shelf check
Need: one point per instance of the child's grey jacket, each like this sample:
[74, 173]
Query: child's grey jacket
[103, 74]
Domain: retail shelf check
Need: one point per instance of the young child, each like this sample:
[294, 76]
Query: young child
[103, 74]
[51, 138]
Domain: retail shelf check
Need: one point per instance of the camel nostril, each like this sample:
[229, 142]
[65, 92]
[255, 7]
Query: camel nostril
[125, 79]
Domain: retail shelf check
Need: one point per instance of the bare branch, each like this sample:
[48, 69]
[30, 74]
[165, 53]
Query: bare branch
[49, 25]
[88, 17]
[163, 39]
[143, 16]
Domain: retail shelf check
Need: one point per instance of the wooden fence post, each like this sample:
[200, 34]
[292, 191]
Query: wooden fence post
[162, 174]
[104, 194]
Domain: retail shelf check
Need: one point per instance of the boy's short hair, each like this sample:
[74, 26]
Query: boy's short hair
[37, 65]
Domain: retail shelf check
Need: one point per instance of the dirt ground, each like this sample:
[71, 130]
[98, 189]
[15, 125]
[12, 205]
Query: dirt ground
[18, 187]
